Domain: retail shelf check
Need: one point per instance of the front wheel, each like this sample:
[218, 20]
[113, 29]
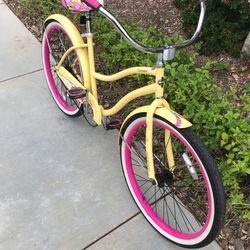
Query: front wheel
[188, 205]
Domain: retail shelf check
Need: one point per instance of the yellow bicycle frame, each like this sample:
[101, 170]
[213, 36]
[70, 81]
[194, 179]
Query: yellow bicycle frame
[85, 53]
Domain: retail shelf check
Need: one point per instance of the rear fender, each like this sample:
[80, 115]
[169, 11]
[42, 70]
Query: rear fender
[76, 39]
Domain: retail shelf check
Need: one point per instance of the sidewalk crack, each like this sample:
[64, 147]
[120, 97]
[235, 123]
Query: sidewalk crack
[112, 230]
[21, 75]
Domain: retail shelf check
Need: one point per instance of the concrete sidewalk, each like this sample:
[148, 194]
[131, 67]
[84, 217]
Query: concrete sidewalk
[61, 184]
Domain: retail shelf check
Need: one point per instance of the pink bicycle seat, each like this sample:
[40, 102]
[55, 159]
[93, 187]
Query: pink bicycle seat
[79, 5]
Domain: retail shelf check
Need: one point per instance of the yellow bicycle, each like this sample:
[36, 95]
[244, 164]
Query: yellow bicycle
[169, 172]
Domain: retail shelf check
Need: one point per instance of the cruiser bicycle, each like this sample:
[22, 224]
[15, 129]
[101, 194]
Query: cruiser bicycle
[170, 173]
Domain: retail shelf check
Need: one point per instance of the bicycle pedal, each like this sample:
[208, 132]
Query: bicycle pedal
[113, 124]
[76, 93]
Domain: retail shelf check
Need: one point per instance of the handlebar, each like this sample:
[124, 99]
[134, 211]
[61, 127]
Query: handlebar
[125, 34]
[198, 28]
[167, 48]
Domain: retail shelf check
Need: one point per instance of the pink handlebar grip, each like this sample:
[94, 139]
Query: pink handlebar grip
[93, 4]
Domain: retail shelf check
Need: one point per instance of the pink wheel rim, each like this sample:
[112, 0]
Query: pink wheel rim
[136, 189]
[48, 70]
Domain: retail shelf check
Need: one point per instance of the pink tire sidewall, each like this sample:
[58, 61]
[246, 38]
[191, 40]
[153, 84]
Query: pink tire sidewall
[165, 230]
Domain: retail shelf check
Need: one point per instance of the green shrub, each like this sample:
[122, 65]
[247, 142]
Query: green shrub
[41, 8]
[191, 91]
[226, 25]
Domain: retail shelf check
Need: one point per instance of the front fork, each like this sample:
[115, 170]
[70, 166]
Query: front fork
[157, 103]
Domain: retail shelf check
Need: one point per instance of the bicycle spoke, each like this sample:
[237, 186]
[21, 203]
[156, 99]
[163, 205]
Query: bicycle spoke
[152, 198]
[141, 177]
[175, 214]
[200, 209]
[155, 200]
[183, 215]
[177, 224]
[145, 182]
[147, 190]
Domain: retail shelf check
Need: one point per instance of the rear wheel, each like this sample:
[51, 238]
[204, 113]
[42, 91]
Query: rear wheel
[56, 41]
[188, 205]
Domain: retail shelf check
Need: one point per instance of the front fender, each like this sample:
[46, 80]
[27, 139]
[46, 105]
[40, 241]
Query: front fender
[176, 119]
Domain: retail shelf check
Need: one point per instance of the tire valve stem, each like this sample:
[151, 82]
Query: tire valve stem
[190, 166]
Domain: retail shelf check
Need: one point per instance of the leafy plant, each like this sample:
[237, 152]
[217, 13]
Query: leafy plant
[40, 8]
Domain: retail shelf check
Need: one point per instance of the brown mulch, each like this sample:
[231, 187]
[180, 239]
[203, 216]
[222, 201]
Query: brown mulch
[163, 13]
[34, 25]
[235, 235]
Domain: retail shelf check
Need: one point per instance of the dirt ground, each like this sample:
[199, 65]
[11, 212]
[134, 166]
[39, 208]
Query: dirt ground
[163, 13]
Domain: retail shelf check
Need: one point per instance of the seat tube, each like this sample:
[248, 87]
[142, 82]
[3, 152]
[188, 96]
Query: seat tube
[91, 54]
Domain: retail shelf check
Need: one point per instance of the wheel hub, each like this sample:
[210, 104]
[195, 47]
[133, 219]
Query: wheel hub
[164, 176]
